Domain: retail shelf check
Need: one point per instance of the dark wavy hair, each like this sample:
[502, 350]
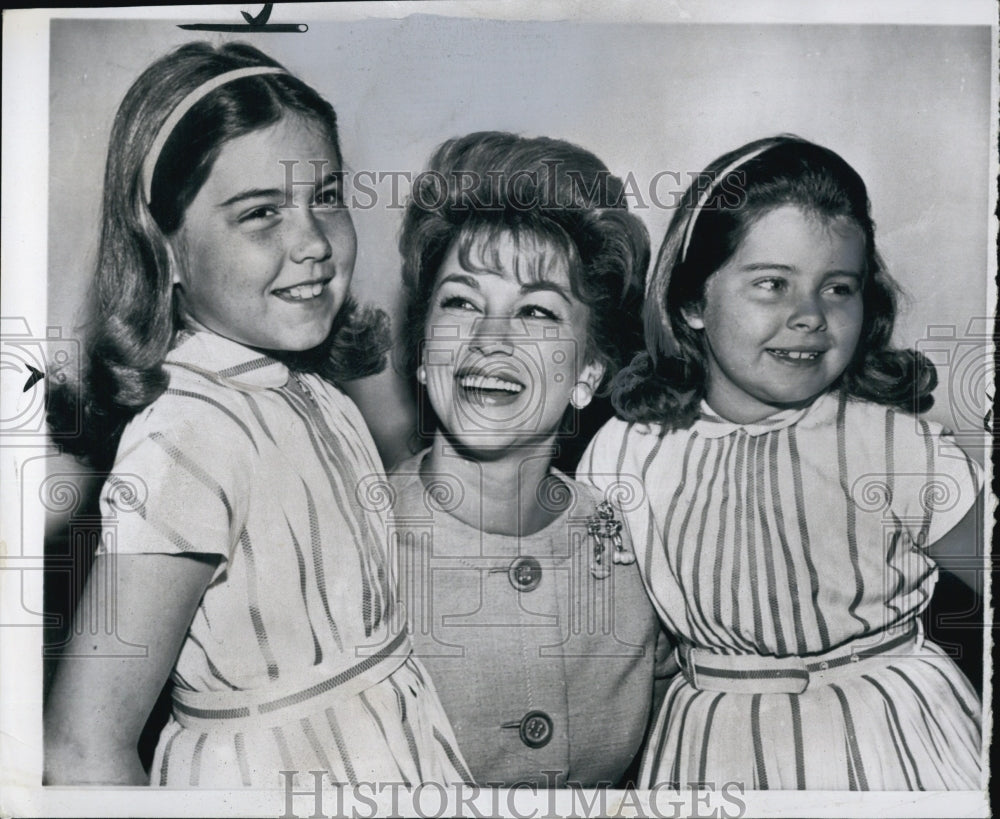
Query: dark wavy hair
[133, 317]
[666, 382]
[556, 201]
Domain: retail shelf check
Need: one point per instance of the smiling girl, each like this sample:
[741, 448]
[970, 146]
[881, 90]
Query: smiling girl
[523, 275]
[234, 548]
[792, 506]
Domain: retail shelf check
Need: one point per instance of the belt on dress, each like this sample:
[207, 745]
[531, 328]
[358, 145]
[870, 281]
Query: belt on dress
[756, 674]
[204, 708]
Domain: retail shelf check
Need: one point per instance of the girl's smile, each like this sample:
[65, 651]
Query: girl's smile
[266, 250]
[782, 317]
[302, 292]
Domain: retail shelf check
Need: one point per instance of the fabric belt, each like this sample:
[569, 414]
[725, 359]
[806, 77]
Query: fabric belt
[202, 709]
[757, 674]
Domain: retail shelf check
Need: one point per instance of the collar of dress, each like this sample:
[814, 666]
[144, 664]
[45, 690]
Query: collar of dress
[224, 360]
[710, 425]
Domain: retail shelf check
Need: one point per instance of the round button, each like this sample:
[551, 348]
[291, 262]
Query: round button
[536, 729]
[525, 574]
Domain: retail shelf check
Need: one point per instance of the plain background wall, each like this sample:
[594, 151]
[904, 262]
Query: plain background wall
[907, 105]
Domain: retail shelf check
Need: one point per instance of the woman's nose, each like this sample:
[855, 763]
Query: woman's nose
[808, 314]
[492, 335]
[309, 240]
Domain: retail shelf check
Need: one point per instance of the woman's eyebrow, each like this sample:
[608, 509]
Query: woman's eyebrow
[542, 284]
[459, 278]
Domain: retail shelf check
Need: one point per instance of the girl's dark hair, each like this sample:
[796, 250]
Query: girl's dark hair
[554, 200]
[666, 382]
[132, 316]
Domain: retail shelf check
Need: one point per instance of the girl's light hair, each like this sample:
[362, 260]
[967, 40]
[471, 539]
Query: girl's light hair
[132, 316]
[667, 381]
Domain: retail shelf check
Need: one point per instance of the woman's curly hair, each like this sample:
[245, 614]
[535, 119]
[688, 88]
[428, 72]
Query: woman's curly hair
[553, 199]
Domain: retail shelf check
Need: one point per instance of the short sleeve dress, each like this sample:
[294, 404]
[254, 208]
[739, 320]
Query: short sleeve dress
[788, 556]
[297, 658]
[545, 668]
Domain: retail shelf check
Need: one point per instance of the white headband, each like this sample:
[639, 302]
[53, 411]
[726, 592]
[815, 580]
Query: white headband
[703, 199]
[185, 105]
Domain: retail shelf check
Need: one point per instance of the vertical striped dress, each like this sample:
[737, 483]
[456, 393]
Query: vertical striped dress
[789, 558]
[297, 658]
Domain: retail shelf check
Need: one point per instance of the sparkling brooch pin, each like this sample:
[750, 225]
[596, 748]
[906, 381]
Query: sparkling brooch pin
[606, 530]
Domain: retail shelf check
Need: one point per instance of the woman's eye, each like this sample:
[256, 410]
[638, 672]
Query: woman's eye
[534, 311]
[458, 303]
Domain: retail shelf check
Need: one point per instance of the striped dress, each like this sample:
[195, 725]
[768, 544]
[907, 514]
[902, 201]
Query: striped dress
[297, 658]
[788, 558]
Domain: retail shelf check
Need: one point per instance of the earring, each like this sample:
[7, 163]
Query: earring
[581, 395]
[422, 374]
[173, 266]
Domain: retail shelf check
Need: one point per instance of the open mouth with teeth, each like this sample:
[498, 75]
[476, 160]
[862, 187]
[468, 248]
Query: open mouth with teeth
[302, 292]
[796, 355]
[489, 389]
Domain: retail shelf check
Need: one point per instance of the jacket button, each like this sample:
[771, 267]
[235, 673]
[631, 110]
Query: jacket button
[536, 729]
[525, 574]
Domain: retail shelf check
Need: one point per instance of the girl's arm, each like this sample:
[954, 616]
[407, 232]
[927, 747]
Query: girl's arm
[99, 702]
[961, 549]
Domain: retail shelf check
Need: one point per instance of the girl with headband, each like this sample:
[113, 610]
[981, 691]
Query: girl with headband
[235, 549]
[791, 504]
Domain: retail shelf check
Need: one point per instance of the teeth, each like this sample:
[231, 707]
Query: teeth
[302, 291]
[798, 355]
[483, 382]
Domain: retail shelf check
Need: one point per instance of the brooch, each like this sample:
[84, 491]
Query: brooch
[606, 530]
